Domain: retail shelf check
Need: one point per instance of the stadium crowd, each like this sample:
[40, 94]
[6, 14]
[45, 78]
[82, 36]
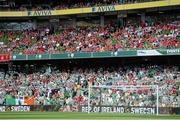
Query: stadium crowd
[64, 4]
[68, 87]
[155, 32]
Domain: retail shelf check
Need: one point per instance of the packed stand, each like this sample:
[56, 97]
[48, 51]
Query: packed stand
[51, 85]
[64, 4]
[152, 34]
[92, 3]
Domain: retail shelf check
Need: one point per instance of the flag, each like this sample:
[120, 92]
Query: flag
[10, 100]
[5, 57]
[28, 100]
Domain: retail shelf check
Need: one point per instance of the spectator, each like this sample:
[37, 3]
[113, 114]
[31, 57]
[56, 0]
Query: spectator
[152, 35]
[69, 88]
[56, 5]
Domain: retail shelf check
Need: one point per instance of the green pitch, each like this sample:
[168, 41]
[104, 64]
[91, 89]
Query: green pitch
[81, 116]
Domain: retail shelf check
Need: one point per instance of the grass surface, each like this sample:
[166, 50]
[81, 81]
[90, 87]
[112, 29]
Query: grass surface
[81, 116]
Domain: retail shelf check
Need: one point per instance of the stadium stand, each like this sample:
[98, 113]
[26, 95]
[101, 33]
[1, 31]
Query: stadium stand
[57, 84]
[51, 85]
[63, 4]
[154, 33]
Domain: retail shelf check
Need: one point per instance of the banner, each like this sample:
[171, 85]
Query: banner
[103, 8]
[120, 109]
[128, 53]
[39, 13]
[38, 108]
[91, 9]
[4, 57]
[158, 52]
[148, 53]
[169, 51]
[14, 108]
[107, 109]
[173, 51]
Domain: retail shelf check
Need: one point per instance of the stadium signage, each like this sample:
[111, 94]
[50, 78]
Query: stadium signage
[147, 52]
[142, 110]
[173, 51]
[20, 108]
[120, 109]
[103, 109]
[15, 108]
[103, 8]
[40, 13]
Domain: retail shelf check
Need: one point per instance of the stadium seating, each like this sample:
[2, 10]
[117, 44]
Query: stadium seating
[152, 34]
[50, 85]
[64, 4]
